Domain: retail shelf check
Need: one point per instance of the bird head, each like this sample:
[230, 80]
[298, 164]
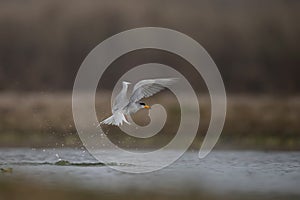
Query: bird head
[143, 105]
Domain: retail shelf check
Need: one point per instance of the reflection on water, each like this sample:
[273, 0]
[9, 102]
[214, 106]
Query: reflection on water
[220, 172]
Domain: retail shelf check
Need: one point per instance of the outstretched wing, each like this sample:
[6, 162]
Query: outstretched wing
[121, 99]
[147, 88]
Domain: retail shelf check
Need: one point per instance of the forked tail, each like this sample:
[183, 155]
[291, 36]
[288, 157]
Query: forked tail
[116, 119]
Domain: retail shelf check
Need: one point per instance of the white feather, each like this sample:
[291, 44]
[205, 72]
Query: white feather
[143, 89]
[116, 119]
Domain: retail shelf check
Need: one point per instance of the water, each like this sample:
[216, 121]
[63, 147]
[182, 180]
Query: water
[220, 172]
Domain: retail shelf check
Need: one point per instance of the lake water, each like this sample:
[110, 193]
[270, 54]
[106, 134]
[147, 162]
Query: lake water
[268, 173]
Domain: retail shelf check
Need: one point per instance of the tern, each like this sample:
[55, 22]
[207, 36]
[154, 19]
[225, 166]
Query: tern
[123, 106]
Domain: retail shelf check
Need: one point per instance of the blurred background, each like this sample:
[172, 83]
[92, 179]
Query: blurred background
[255, 45]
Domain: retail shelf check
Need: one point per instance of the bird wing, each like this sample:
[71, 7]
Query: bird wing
[147, 88]
[121, 99]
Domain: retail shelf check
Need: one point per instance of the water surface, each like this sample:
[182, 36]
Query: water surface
[268, 173]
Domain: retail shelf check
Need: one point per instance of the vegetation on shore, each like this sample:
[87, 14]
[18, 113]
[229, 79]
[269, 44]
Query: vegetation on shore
[252, 122]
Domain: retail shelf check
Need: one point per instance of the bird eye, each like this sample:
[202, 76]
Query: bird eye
[142, 104]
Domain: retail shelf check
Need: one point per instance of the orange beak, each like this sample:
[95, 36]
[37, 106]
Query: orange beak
[147, 107]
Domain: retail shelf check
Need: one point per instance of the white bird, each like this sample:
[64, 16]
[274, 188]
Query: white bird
[123, 106]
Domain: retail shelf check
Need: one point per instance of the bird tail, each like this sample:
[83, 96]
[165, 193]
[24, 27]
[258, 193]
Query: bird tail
[116, 119]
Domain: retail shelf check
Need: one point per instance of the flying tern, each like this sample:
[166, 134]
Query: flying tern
[123, 106]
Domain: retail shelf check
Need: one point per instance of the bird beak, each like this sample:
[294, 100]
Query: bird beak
[147, 107]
